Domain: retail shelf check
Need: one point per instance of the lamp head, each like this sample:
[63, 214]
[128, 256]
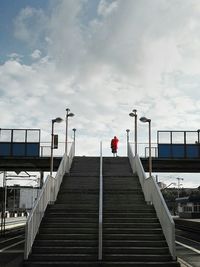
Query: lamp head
[134, 111]
[131, 114]
[74, 129]
[70, 115]
[58, 120]
[128, 130]
[144, 119]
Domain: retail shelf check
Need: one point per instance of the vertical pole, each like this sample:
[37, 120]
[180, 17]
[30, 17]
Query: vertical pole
[51, 165]
[66, 132]
[150, 159]
[74, 130]
[127, 141]
[135, 133]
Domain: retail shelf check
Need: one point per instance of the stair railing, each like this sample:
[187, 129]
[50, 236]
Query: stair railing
[100, 206]
[153, 195]
[64, 167]
[47, 194]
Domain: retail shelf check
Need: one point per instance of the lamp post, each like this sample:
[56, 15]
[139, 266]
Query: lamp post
[58, 120]
[127, 140]
[74, 137]
[68, 114]
[134, 114]
[144, 119]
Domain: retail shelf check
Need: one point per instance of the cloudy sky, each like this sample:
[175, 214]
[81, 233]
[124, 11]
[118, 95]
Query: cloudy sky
[101, 59]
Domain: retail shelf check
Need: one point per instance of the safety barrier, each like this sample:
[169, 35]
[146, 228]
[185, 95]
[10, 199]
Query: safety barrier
[47, 194]
[153, 195]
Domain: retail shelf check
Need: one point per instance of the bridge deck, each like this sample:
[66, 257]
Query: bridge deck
[43, 164]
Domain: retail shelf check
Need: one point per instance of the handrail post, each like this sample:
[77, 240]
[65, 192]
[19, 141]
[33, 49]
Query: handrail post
[100, 207]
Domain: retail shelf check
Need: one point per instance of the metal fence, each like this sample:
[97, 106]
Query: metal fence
[19, 142]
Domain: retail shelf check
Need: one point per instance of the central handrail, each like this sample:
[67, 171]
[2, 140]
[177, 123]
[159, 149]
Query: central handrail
[100, 206]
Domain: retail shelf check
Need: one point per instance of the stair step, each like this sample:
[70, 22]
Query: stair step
[101, 264]
[134, 243]
[62, 225]
[129, 214]
[134, 237]
[131, 225]
[136, 258]
[135, 250]
[63, 263]
[71, 219]
[141, 264]
[131, 231]
[72, 236]
[63, 257]
[74, 230]
[130, 220]
[65, 250]
[73, 214]
[66, 243]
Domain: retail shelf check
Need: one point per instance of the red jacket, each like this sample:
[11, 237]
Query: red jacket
[114, 143]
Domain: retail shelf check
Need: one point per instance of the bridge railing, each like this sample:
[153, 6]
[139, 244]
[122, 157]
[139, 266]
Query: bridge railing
[153, 195]
[47, 194]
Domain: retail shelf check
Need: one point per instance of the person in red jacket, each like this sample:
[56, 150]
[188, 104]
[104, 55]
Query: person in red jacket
[114, 146]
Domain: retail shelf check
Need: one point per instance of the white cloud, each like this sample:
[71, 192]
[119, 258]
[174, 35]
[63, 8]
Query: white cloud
[132, 54]
[36, 54]
[30, 25]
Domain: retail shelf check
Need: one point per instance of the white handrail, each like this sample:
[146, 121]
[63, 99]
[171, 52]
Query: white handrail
[47, 194]
[100, 206]
[64, 167]
[153, 195]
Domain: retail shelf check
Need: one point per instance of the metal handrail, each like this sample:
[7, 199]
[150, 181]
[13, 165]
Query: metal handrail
[153, 195]
[47, 194]
[64, 167]
[100, 206]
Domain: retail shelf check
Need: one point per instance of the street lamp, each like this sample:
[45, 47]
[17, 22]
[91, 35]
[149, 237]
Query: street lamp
[69, 114]
[127, 139]
[144, 119]
[134, 114]
[74, 130]
[57, 120]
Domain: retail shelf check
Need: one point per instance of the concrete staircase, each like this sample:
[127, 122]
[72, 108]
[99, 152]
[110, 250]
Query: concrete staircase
[132, 235]
[68, 235]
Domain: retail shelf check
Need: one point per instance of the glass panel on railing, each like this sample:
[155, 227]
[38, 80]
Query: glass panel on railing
[19, 136]
[192, 137]
[177, 137]
[164, 137]
[5, 135]
[33, 136]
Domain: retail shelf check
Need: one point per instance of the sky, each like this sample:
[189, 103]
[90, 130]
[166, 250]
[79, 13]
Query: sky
[101, 59]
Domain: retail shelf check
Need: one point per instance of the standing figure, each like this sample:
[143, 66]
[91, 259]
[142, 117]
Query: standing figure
[114, 146]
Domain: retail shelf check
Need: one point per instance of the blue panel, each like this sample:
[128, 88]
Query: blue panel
[192, 151]
[164, 150]
[33, 150]
[178, 151]
[18, 149]
[5, 149]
